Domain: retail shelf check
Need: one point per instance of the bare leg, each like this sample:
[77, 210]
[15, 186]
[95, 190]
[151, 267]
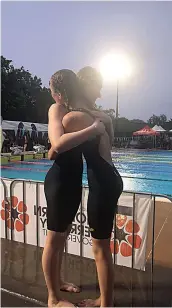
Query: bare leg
[54, 243]
[65, 286]
[105, 270]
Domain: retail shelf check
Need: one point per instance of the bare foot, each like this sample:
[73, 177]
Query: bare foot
[69, 287]
[52, 301]
[60, 303]
[65, 304]
[90, 303]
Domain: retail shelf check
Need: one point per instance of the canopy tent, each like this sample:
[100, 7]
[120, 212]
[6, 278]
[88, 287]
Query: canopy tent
[159, 129]
[13, 125]
[146, 131]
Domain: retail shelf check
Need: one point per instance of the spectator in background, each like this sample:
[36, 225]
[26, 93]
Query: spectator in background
[5, 143]
[5, 140]
[20, 135]
[45, 139]
[28, 142]
[34, 133]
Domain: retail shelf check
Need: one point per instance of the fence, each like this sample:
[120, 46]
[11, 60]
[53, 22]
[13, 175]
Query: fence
[17, 226]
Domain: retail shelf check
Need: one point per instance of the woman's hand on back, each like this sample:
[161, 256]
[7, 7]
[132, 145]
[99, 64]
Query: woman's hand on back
[102, 116]
[99, 126]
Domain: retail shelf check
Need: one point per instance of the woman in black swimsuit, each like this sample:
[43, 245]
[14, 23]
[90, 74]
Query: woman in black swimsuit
[63, 183]
[105, 183]
[105, 188]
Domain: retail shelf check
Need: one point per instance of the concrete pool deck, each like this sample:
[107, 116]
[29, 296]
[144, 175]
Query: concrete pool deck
[21, 270]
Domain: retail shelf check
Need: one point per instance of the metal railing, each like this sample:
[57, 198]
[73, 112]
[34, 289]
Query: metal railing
[154, 197]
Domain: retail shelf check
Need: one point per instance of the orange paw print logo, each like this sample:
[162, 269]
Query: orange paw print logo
[15, 217]
[124, 237]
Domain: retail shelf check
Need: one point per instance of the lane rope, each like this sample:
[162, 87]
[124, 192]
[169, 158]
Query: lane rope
[22, 169]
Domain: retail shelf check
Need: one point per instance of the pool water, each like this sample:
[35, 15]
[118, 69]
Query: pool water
[142, 171]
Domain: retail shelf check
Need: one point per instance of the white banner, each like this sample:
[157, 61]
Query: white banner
[124, 230]
[36, 225]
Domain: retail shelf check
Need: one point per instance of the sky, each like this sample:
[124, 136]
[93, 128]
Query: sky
[47, 36]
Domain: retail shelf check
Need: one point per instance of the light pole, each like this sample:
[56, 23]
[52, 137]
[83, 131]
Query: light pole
[115, 66]
[117, 105]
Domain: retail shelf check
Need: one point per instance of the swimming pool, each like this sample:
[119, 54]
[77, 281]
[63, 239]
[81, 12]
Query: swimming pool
[142, 171]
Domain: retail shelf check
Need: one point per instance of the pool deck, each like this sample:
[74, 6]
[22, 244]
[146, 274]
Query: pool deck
[13, 300]
[22, 272]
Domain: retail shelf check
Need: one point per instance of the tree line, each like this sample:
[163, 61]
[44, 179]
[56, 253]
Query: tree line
[23, 98]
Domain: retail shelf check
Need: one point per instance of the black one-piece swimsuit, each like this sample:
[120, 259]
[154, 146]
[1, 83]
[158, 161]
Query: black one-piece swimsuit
[63, 190]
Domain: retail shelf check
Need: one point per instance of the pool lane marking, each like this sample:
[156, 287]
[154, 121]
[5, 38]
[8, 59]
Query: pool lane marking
[32, 163]
[41, 170]
[140, 161]
[22, 169]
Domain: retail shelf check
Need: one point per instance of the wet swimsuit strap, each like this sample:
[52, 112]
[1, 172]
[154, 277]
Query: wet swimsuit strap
[83, 110]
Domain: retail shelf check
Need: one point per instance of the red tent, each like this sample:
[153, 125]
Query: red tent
[146, 131]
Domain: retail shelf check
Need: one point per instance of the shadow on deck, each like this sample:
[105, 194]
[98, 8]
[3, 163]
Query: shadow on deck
[22, 273]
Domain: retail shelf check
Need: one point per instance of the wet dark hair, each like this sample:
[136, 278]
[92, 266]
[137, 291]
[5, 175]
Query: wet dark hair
[66, 83]
[88, 74]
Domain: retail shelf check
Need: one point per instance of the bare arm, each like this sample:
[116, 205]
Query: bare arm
[52, 154]
[79, 120]
[61, 142]
[76, 121]
[72, 122]
[107, 122]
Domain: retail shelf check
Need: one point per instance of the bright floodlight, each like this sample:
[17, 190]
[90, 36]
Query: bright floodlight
[115, 66]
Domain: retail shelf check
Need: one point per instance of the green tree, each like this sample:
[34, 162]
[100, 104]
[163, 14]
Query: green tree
[43, 102]
[157, 120]
[137, 121]
[163, 119]
[110, 112]
[22, 95]
[125, 127]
